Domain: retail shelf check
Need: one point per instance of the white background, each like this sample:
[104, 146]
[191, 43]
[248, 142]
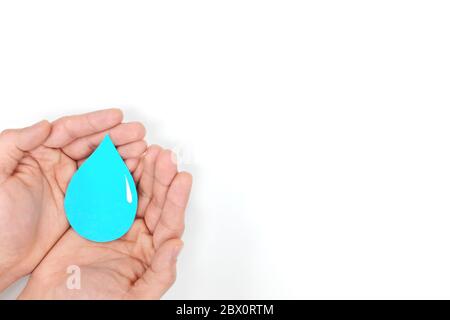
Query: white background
[317, 131]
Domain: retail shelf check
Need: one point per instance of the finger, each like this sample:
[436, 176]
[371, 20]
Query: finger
[161, 275]
[132, 164]
[133, 149]
[128, 151]
[165, 171]
[145, 178]
[70, 128]
[121, 134]
[171, 222]
[14, 142]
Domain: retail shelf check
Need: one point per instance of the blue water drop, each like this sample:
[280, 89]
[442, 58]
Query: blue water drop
[101, 199]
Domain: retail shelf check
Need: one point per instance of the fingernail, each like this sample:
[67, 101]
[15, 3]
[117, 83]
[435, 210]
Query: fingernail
[176, 252]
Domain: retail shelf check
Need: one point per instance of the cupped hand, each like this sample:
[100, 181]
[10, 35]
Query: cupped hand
[36, 165]
[140, 265]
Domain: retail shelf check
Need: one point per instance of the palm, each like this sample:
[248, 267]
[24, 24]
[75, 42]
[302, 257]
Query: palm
[107, 270]
[139, 265]
[32, 198]
[36, 167]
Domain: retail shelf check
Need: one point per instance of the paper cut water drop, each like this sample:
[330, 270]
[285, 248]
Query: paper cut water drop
[101, 198]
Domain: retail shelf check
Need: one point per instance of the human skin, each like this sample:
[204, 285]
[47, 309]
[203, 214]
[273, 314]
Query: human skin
[140, 265]
[36, 165]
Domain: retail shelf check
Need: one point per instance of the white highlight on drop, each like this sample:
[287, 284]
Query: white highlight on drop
[129, 196]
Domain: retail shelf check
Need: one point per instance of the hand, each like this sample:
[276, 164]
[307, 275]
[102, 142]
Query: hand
[36, 165]
[142, 264]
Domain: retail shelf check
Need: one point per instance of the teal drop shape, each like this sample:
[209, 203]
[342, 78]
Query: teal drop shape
[101, 199]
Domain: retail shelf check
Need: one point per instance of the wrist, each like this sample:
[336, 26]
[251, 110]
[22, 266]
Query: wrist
[37, 289]
[13, 270]
[8, 275]
[16, 267]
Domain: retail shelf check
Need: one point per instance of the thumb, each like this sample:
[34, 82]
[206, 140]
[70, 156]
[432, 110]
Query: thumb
[14, 142]
[161, 275]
